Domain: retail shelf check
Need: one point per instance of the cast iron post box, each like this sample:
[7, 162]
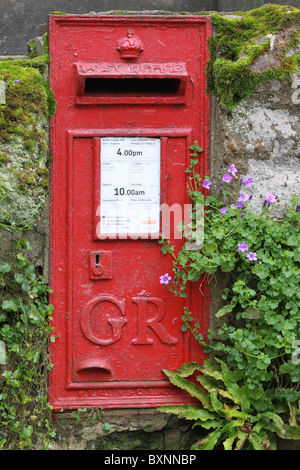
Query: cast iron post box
[130, 93]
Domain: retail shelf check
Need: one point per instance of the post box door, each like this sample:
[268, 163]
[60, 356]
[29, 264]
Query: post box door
[125, 323]
[118, 327]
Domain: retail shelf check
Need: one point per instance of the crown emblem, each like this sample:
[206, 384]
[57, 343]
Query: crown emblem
[130, 47]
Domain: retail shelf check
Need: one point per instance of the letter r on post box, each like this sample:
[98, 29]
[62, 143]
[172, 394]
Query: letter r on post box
[144, 324]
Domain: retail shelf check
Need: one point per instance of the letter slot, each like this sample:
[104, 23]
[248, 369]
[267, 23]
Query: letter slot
[105, 83]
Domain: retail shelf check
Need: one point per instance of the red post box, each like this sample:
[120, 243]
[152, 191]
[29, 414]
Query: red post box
[131, 100]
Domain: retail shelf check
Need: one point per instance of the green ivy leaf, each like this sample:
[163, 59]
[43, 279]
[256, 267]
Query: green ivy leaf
[5, 268]
[225, 310]
[9, 305]
[261, 271]
[106, 427]
[19, 278]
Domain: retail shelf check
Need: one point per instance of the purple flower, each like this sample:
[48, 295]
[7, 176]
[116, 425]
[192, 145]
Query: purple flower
[232, 170]
[227, 178]
[244, 197]
[242, 215]
[224, 210]
[165, 279]
[252, 256]
[17, 81]
[207, 184]
[271, 198]
[242, 247]
[297, 208]
[241, 200]
[248, 182]
[239, 203]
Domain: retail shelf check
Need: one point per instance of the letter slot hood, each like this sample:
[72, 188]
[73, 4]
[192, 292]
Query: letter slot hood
[108, 83]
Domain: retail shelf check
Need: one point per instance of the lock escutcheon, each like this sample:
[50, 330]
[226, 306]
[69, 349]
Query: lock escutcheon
[100, 265]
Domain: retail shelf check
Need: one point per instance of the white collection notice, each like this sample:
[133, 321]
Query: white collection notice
[129, 185]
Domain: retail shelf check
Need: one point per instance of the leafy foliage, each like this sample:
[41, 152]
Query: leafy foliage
[260, 256]
[226, 410]
[24, 330]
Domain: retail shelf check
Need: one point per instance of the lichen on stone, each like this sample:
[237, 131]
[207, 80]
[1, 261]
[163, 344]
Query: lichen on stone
[24, 120]
[250, 48]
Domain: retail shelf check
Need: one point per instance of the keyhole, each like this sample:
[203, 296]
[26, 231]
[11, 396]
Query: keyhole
[97, 268]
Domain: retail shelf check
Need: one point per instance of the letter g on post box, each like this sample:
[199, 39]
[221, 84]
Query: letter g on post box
[131, 100]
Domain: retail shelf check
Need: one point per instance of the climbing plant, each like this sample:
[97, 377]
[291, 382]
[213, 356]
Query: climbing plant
[259, 338]
[25, 315]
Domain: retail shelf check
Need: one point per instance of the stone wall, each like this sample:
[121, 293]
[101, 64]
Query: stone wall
[261, 137]
[122, 430]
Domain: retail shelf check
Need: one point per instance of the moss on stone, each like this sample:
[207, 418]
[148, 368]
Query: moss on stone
[24, 121]
[31, 46]
[250, 48]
